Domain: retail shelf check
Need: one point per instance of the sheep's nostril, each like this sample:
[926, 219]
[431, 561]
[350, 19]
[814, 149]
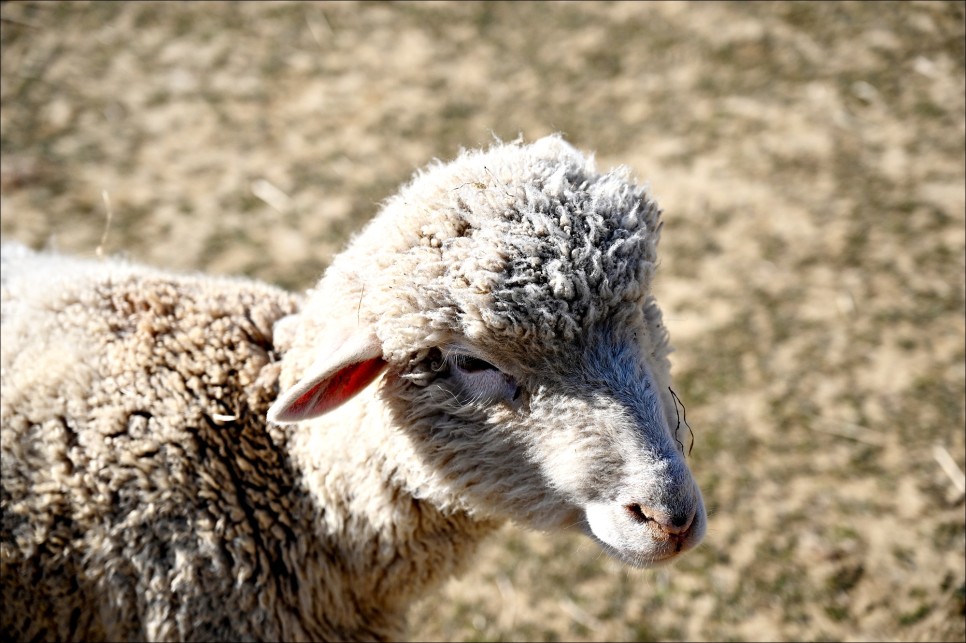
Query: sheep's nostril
[676, 524]
[682, 520]
[637, 513]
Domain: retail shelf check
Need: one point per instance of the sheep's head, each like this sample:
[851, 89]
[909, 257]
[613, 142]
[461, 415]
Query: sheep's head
[507, 295]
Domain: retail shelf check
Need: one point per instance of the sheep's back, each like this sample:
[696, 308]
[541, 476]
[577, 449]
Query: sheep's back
[141, 488]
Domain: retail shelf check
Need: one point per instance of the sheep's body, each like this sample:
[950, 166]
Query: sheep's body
[118, 382]
[145, 496]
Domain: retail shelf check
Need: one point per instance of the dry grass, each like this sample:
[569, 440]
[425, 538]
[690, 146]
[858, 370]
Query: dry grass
[810, 159]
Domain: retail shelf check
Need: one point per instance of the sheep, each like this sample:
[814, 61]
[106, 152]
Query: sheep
[196, 458]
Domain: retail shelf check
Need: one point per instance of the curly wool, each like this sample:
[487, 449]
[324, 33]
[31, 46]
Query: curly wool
[117, 382]
[521, 248]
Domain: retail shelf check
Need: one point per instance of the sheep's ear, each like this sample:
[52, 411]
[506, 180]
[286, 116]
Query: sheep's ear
[333, 379]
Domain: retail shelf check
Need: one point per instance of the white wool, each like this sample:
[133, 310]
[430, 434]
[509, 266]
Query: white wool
[500, 307]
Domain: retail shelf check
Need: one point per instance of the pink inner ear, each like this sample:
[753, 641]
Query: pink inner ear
[334, 391]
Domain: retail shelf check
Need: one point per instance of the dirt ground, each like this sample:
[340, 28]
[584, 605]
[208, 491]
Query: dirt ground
[810, 161]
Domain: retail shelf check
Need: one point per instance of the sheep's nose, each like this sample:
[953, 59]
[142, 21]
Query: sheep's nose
[675, 523]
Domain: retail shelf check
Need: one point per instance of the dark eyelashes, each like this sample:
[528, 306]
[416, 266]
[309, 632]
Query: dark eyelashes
[482, 379]
[472, 364]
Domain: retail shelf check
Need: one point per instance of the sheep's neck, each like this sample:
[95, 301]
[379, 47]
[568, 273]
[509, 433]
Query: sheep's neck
[359, 470]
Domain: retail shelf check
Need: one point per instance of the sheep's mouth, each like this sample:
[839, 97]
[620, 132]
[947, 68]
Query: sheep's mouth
[644, 549]
[662, 554]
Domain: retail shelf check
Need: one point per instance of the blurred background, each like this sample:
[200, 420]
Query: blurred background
[809, 158]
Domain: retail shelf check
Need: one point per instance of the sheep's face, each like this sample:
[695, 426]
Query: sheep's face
[584, 445]
[509, 295]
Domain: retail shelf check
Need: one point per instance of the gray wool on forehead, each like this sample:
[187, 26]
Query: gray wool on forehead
[515, 246]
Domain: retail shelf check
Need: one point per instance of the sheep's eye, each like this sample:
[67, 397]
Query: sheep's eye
[478, 380]
[472, 364]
